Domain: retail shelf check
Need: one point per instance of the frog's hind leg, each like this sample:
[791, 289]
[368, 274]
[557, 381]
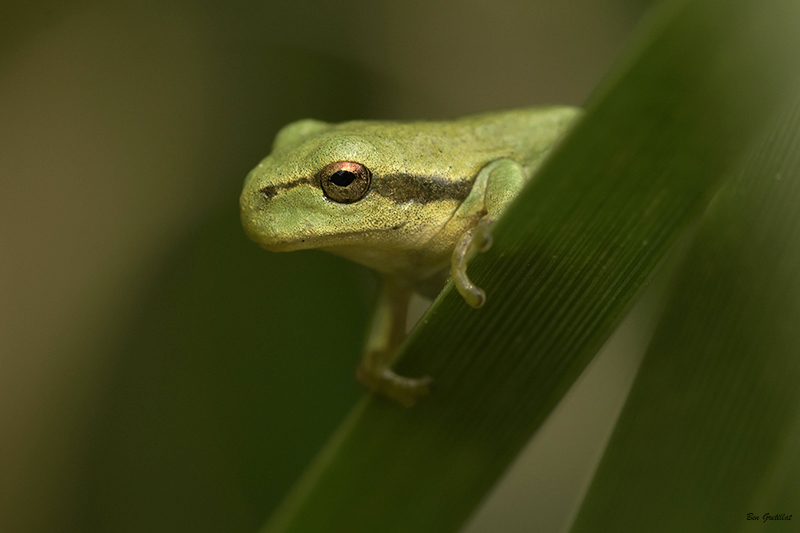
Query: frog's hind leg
[385, 337]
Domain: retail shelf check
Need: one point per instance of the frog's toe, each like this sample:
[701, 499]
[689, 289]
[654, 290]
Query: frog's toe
[403, 390]
[409, 391]
[474, 296]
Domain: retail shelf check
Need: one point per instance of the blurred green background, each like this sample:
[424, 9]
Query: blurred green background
[159, 372]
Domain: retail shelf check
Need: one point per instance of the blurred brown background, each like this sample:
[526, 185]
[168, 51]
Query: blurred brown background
[126, 130]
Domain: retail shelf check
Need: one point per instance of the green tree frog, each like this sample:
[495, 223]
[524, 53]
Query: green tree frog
[407, 199]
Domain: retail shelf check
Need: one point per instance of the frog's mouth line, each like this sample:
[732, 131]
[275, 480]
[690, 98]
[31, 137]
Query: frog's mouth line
[337, 240]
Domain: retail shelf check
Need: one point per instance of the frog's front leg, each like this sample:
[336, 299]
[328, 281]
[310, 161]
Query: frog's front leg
[385, 337]
[499, 182]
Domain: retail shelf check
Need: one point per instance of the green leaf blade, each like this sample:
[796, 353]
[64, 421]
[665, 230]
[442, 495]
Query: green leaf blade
[714, 414]
[569, 258]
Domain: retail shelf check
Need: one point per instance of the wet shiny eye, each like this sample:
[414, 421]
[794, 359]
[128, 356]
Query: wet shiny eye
[345, 182]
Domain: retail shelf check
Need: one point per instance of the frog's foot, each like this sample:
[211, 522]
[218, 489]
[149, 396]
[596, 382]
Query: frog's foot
[478, 239]
[382, 380]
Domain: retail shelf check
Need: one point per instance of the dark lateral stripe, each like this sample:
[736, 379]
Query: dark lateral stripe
[403, 188]
[399, 188]
[271, 191]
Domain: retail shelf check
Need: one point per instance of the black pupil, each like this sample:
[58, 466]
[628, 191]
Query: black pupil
[342, 178]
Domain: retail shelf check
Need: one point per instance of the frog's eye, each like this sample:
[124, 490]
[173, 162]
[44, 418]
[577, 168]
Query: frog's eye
[345, 182]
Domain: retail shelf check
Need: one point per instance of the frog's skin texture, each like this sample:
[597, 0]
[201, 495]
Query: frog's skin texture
[407, 199]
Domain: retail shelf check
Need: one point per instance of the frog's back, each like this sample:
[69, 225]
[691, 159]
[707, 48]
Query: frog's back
[454, 151]
[524, 135]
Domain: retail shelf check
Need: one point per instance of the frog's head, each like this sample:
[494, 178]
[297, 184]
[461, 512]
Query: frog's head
[352, 188]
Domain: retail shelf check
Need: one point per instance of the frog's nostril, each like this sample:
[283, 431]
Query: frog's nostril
[269, 192]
